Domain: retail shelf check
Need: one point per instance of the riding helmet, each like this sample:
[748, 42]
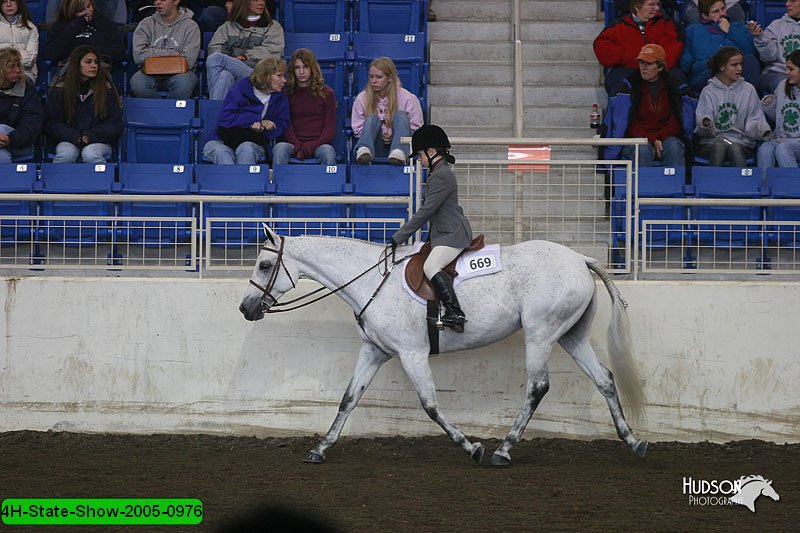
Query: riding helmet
[429, 136]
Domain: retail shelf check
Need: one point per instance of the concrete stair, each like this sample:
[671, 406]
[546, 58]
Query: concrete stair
[471, 71]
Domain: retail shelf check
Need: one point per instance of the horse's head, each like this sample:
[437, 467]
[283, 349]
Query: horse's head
[270, 280]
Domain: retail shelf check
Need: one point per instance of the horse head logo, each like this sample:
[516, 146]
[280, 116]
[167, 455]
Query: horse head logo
[751, 488]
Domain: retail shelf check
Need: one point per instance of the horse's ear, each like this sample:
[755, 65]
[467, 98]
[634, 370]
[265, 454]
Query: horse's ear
[269, 234]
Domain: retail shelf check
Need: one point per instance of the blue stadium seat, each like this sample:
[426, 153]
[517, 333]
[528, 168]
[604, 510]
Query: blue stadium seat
[309, 180]
[768, 10]
[16, 178]
[158, 131]
[155, 178]
[727, 182]
[391, 16]
[654, 182]
[315, 16]
[208, 111]
[201, 63]
[379, 180]
[78, 178]
[783, 183]
[233, 180]
[37, 9]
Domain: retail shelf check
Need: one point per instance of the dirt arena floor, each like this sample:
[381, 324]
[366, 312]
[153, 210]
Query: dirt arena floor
[409, 484]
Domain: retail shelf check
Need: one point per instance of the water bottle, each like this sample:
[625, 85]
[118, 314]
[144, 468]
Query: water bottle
[594, 117]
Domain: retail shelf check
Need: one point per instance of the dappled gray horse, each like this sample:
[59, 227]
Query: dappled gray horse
[544, 288]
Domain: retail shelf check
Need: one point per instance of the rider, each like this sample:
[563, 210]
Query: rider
[449, 231]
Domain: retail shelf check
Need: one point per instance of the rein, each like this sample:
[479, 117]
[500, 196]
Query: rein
[282, 307]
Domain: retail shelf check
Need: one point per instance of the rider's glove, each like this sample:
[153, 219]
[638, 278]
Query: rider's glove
[394, 244]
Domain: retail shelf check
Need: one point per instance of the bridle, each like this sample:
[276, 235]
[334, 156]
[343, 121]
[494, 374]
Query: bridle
[269, 304]
[266, 290]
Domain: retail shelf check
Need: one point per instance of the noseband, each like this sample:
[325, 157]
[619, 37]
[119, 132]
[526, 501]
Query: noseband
[267, 289]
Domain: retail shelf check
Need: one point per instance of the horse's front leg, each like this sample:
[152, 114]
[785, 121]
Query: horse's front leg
[418, 370]
[370, 359]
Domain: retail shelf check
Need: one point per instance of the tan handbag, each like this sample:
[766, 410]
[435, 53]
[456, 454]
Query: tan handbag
[165, 65]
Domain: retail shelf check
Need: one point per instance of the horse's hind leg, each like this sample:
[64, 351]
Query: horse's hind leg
[418, 371]
[576, 343]
[536, 356]
[370, 359]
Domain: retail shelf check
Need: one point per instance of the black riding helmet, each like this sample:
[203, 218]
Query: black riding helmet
[432, 136]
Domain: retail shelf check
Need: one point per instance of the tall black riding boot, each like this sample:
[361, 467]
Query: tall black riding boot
[453, 317]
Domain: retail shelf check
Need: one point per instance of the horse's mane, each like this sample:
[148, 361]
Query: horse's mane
[744, 480]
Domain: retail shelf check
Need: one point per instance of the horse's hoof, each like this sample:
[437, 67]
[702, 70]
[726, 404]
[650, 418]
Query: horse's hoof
[499, 459]
[640, 449]
[315, 457]
[477, 452]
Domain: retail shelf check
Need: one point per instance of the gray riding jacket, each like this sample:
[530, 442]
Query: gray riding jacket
[448, 225]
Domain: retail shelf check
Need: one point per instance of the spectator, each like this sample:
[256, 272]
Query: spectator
[21, 111]
[383, 113]
[693, 13]
[781, 38]
[83, 114]
[19, 31]
[431, 12]
[78, 23]
[618, 45]
[211, 14]
[168, 32]
[650, 104]
[248, 36]
[255, 111]
[312, 106]
[623, 7]
[784, 110]
[729, 117]
[114, 10]
[714, 31]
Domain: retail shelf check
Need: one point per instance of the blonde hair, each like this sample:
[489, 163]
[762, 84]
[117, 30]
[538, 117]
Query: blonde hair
[317, 83]
[263, 70]
[70, 8]
[8, 56]
[387, 66]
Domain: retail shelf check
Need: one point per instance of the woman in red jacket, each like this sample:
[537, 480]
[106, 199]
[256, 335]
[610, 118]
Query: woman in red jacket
[618, 45]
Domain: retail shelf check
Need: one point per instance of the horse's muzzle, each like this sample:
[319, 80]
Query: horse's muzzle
[254, 313]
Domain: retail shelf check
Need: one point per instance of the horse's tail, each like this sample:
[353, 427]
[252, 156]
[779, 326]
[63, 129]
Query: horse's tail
[620, 347]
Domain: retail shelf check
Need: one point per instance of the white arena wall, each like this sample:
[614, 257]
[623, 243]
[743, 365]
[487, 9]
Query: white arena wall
[720, 361]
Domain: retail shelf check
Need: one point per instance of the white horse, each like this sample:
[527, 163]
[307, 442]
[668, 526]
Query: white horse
[544, 288]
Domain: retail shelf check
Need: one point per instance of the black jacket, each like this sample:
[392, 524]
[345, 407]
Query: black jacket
[106, 130]
[23, 112]
[101, 34]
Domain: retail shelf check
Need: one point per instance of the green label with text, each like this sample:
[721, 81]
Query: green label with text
[101, 511]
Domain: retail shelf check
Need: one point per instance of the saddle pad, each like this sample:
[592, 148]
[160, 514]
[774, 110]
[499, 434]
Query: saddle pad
[469, 265]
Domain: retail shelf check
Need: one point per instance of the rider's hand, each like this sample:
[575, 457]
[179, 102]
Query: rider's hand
[394, 244]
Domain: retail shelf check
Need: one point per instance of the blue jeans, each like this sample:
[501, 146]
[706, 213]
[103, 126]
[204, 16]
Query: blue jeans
[92, 153]
[326, 154]
[787, 153]
[246, 153]
[371, 134]
[672, 153]
[222, 72]
[177, 86]
[10, 155]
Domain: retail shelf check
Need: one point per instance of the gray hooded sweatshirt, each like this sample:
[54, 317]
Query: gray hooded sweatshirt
[735, 113]
[154, 37]
[784, 112]
[781, 38]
